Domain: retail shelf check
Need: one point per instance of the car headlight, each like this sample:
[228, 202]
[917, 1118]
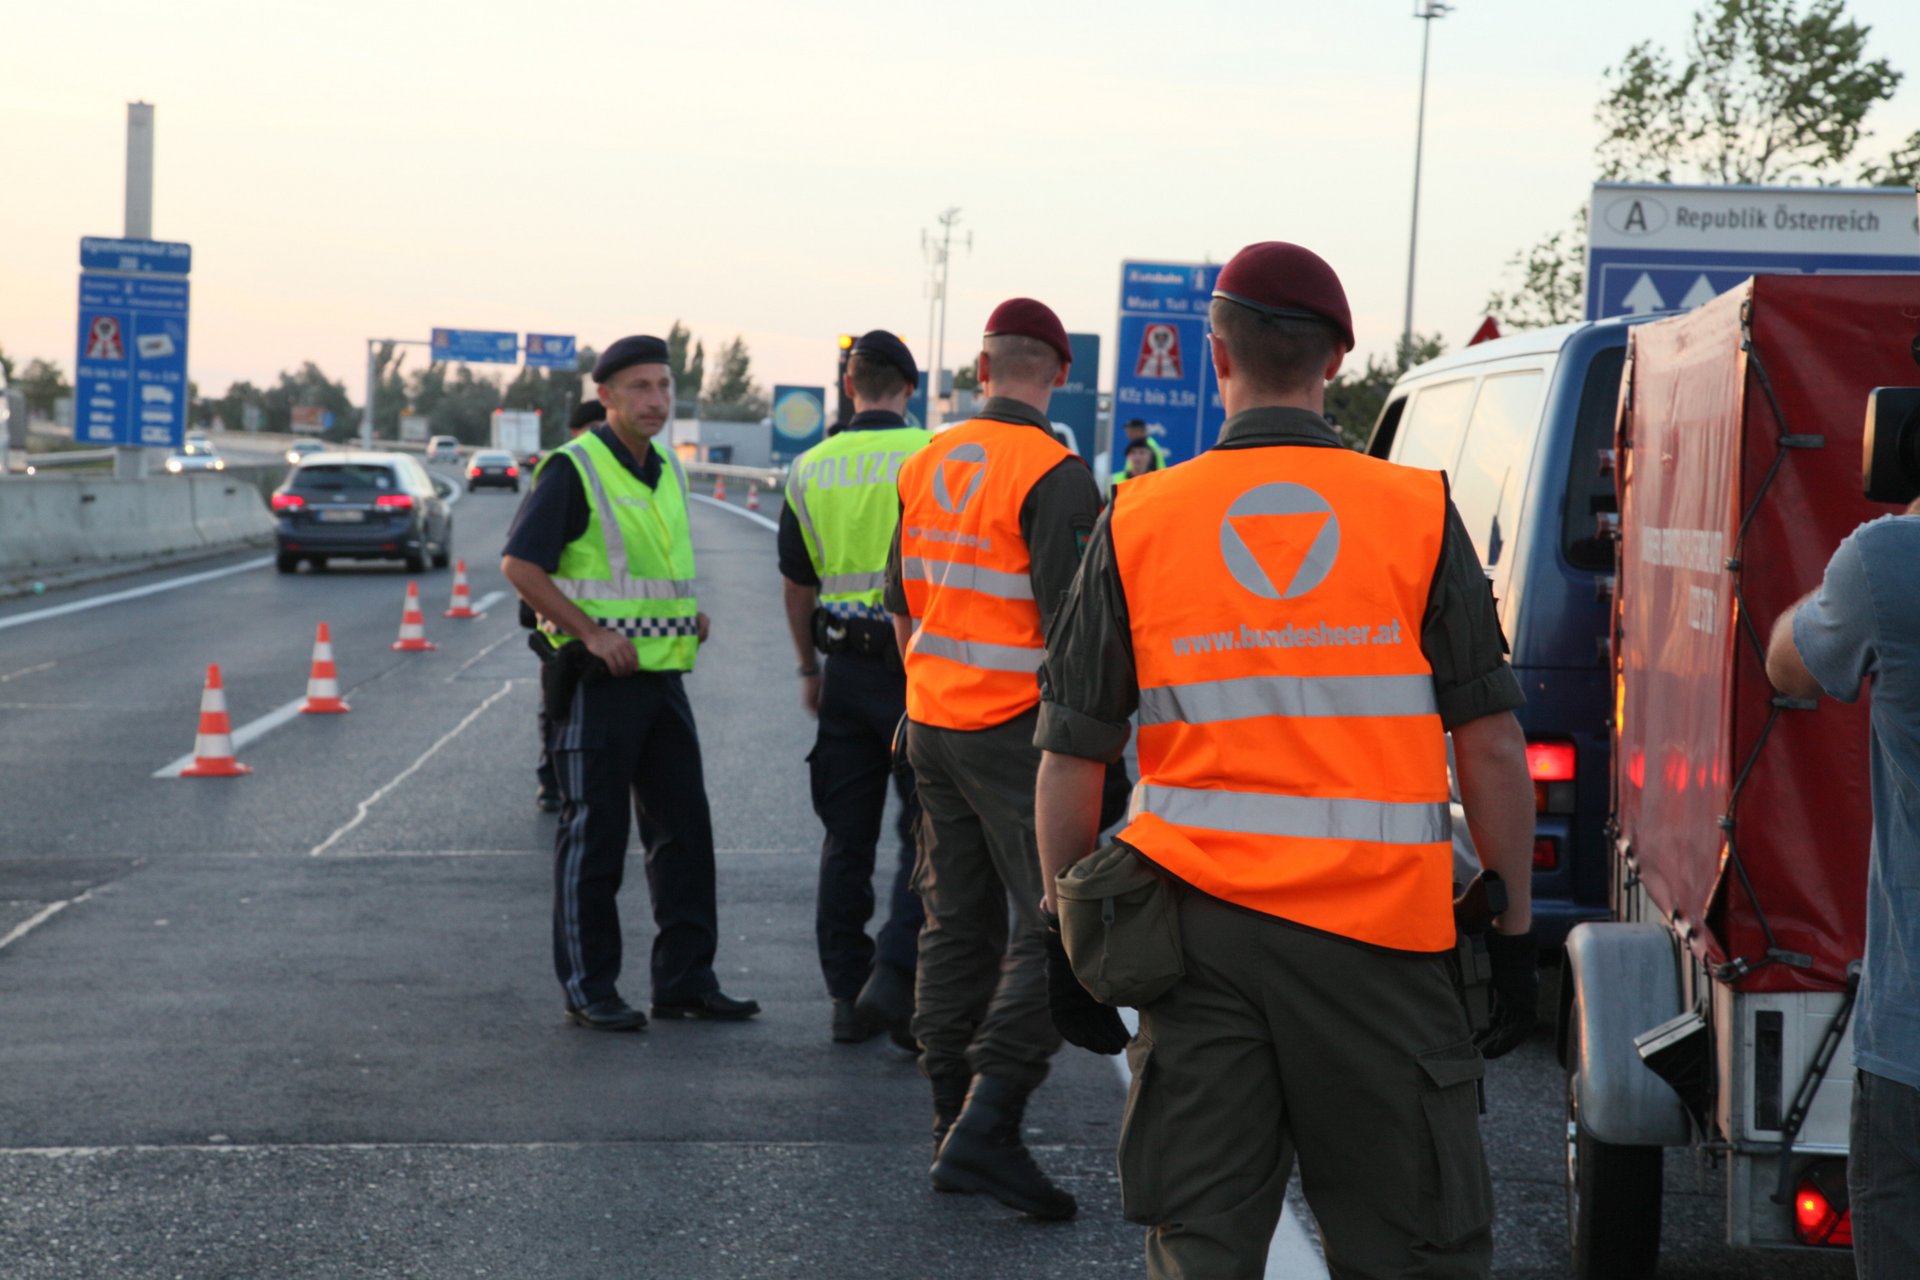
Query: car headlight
[219, 464]
[173, 465]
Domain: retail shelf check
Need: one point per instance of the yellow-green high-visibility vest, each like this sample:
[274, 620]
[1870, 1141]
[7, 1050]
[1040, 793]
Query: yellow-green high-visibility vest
[632, 569]
[844, 492]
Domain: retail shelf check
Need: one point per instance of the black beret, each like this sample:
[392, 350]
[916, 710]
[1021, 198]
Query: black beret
[638, 348]
[878, 342]
[585, 414]
[1275, 278]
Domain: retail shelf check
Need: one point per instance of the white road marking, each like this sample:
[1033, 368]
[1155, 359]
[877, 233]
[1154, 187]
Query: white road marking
[445, 853]
[742, 512]
[366, 806]
[488, 600]
[39, 918]
[246, 733]
[134, 593]
[491, 646]
[1292, 1256]
[26, 671]
[218, 1148]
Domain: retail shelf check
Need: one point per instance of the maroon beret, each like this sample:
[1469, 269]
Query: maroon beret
[1026, 318]
[1280, 279]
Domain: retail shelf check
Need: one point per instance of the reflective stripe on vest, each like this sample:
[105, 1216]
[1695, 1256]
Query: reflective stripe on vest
[631, 570]
[844, 495]
[977, 644]
[1292, 758]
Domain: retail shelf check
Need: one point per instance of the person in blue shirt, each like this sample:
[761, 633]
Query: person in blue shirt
[1863, 624]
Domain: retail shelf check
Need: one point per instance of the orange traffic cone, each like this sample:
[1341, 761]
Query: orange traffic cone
[753, 497]
[413, 627]
[213, 747]
[323, 686]
[462, 598]
[719, 488]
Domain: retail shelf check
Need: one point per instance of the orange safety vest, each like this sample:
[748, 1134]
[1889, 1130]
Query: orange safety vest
[1292, 758]
[977, 644]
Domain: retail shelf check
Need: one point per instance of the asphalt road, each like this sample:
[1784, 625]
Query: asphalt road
[304, 1023]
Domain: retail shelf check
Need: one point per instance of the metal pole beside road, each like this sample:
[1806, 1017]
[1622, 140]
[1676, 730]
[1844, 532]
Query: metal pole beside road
[1426, 11]
[130, 461]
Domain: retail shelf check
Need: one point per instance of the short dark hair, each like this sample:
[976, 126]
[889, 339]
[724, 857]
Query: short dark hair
[1274, 353]
[875, 377]
[1015, 357]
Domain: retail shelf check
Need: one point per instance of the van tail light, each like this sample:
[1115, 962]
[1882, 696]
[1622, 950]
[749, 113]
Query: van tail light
[395, 501]
[1821, 1213]
[1550, 763]
[513, 471]
[1546, 853]
[287, 501]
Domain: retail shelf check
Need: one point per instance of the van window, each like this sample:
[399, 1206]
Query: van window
[1589, 492]
[1492, 475]
[1430, 435]
[1381, 443]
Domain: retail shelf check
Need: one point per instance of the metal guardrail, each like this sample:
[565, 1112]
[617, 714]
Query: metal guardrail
[67, 458]
[766, 477]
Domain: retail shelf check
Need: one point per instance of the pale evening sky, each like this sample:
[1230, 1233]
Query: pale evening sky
[353, 169]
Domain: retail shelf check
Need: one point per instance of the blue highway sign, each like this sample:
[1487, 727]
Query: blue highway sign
[141, 257]
[130, 387]
[1671, 248]
[1163, 372]
[479, 346]
[551, 351]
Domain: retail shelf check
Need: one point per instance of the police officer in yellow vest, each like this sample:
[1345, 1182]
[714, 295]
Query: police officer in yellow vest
[602, 551]
[993, 517]
[1296, 627]
[835, 530]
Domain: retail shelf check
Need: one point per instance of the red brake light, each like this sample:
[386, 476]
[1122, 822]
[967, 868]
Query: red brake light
[513, 471]
[287, 501]
[1550, 761]
[473, 471]
[1816, 1220]
[395, 501]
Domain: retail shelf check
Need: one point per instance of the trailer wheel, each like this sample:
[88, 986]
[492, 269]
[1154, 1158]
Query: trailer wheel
[1613, 1193]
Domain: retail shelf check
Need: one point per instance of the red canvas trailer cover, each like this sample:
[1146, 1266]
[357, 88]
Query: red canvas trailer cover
[1739, 447]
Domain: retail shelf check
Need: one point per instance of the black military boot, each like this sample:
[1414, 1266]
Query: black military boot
[984, 1152]
[949, 1095]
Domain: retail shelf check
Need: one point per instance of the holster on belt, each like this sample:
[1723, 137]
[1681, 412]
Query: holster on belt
[868, 637]
[1473, 914]
[562, 673]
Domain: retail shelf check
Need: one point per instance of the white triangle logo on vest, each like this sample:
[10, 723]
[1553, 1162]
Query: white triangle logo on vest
[1279, 540]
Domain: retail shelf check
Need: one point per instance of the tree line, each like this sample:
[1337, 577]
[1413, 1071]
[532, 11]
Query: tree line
[454, 399]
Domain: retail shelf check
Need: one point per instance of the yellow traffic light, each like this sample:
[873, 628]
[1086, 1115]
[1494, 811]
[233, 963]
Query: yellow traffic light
[846, 341]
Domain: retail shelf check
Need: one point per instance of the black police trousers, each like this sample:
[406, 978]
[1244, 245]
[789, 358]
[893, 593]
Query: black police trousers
[629, 746]
[861, 701]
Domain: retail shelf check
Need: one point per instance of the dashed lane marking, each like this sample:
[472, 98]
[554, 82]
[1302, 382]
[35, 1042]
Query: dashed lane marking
[39, 918]
[134, 593]
[27, 671]
[488, 600]
[742, 512]
[490, 647]
[366, 806]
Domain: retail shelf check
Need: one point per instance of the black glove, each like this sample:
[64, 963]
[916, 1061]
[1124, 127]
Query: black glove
[1516, 992]
[1081, 1019]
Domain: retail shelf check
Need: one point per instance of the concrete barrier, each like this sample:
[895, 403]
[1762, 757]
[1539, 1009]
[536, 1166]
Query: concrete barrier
[51, 525]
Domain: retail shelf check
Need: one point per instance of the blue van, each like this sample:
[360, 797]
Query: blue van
[1523, 427]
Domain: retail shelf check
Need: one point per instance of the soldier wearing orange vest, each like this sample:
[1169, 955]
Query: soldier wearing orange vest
[994, 514]
[1297, 628]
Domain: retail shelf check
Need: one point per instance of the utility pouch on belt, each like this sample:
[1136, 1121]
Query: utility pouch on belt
[1119, 922]
[1473, 913]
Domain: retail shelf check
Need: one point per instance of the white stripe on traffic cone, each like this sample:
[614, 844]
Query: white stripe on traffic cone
[413, 626]
[213, 745]
[323, 685]
[462, 598]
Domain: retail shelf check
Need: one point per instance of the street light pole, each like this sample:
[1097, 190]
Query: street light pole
[940, 255]
[1426, 11]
